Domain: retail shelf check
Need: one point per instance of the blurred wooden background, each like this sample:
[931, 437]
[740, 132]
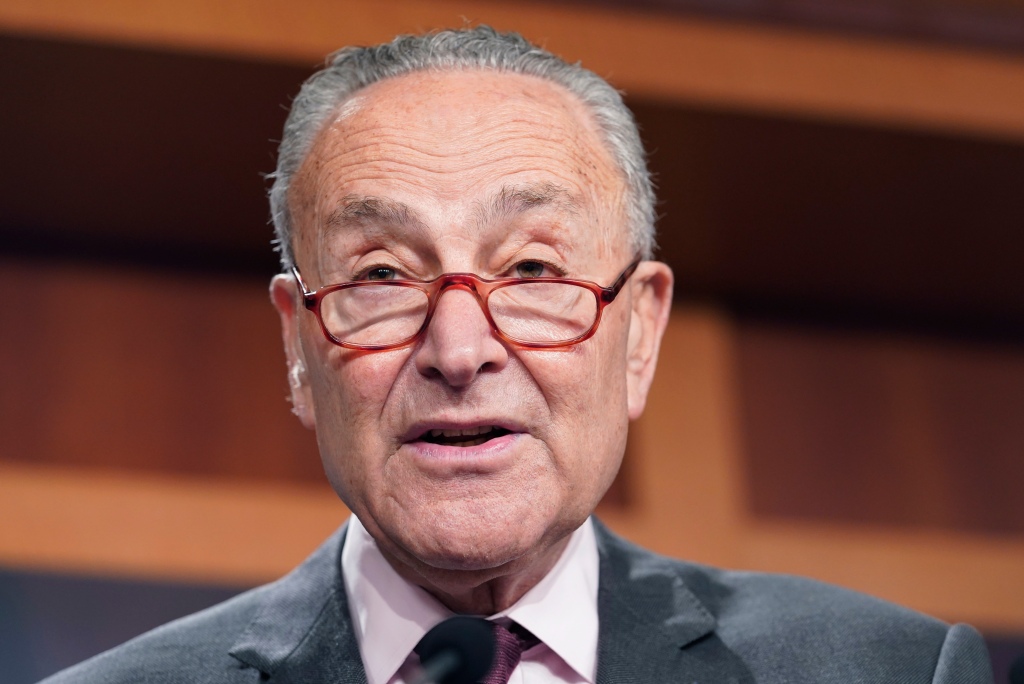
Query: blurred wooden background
[841, 393]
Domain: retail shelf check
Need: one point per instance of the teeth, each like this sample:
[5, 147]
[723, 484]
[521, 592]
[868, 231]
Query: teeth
[468, 432]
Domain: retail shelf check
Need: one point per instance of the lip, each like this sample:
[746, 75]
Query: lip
[416, 432]
[443, 460]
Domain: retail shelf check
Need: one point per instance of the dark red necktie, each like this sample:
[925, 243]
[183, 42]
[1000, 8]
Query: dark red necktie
[509, 645]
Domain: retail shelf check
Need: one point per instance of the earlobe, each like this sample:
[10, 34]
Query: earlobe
[652, 304]
[285, 297]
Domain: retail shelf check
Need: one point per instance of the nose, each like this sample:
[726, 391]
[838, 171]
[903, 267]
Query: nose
[459, 342]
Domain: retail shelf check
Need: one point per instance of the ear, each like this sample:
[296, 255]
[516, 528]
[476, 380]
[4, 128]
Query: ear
[652, 303]
[284, 293]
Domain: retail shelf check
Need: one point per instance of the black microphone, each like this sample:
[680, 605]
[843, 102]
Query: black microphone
[459, 650]
[1017, 670]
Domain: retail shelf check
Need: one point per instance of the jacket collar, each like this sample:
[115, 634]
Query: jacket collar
[654, 627]
[302, 631]
[656, 620]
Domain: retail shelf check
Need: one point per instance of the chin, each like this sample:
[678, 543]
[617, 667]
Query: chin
[454, 540]
[472, 557]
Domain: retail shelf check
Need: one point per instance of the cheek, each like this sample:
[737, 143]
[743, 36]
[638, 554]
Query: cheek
[355, 381]
[585, 390]
[350, 391]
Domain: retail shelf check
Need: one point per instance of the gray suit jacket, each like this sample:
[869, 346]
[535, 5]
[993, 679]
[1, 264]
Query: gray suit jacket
[661, 621]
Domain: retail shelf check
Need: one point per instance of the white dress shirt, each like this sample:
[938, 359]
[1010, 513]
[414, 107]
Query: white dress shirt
[391, 615]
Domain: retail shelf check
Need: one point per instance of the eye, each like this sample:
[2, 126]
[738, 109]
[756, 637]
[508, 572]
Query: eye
[531, 269]
[380, 273]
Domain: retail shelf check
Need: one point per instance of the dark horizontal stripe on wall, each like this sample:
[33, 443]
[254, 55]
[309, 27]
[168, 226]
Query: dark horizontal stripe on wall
[175, 257]
[156, 159]
[992, 328]
[839, 224]
[1005, 649]
[142, 148]
[51, 621]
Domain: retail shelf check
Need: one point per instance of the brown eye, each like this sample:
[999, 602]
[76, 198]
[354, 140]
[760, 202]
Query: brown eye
[530, 269]
[381, 273]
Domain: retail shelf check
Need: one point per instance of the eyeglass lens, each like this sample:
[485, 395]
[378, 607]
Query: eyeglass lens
[390, 313]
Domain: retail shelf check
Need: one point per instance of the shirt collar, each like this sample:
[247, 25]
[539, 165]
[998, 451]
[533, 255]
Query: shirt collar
[390, 614]
[561, 609]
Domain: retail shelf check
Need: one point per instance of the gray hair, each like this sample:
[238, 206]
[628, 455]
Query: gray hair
[480, 47]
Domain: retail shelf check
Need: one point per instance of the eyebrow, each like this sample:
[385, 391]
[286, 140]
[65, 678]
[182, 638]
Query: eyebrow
[370, 210]
[513, 200]
[510, 201]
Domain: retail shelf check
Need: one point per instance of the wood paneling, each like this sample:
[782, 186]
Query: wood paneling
[955, 577]
[650, 55]
[144, 429]
[149, 372]
[684, 468]
[689, 500]
[140, 155]
[160, 527]
[758, 212]
[850, 225]
[77, 514]
[146, 372]
[859, 428]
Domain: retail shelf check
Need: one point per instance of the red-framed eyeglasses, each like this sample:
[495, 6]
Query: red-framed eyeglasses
[532, 313]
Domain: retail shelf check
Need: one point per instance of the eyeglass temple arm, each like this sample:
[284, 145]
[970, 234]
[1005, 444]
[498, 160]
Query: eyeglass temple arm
[302, 284]
[609, 293]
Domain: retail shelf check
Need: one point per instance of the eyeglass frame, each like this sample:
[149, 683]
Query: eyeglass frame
[481, 289]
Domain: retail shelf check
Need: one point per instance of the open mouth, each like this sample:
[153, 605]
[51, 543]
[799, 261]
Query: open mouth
[466, 437]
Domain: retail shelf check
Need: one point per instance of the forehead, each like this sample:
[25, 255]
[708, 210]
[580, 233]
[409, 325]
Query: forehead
[447, 144]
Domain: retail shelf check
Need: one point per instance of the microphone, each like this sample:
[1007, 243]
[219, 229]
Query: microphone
[459, 650]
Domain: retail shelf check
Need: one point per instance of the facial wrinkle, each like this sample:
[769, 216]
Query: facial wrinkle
[513, 200]
[484, 391]
[381, 215]
[539, 212]
[360, 222]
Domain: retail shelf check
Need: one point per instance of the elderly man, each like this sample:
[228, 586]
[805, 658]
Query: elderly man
[471, 318]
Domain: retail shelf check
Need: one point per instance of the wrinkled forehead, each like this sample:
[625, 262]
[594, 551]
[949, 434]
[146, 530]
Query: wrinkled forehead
[449, 143]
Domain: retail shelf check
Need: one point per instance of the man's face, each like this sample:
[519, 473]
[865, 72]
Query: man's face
[498, 175]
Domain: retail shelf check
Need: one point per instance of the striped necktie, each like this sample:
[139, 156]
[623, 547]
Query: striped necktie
[510, 644]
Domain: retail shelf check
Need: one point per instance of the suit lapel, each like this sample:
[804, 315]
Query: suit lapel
[654, 625]
[302, 631]
[654, 628]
